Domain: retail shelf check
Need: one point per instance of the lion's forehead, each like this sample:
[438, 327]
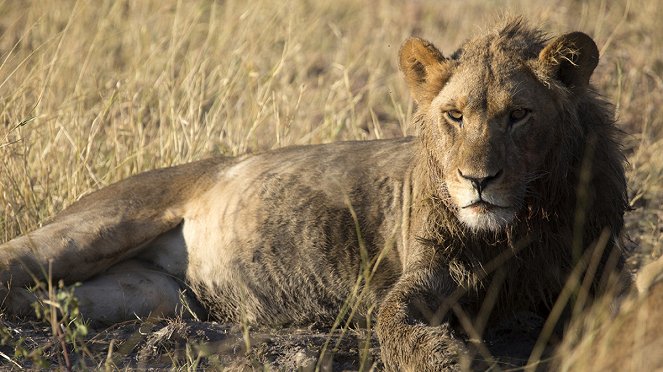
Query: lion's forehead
[487, 89]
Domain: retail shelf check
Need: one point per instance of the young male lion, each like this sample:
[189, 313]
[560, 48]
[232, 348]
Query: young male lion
[514, 179]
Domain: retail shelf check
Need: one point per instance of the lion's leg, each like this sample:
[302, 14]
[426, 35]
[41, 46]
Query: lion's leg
[79, 245]
[101, 230]
[129, 290]
[407, 339]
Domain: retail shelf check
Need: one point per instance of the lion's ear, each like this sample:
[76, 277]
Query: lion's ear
[424, 68]
[571, 58]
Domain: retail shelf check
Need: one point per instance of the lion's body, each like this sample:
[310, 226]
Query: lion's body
[421, 228]
[286, 248]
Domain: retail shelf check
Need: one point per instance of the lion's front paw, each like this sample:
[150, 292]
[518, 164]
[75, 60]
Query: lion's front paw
[422, 348]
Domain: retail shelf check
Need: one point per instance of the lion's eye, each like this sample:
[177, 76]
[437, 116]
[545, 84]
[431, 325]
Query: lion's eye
[518, 115]
[455, 115]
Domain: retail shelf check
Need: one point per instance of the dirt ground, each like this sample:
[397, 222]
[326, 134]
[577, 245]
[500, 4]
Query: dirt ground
[193, 345]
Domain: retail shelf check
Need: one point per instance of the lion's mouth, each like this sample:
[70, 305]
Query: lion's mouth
[482, 206]
[482, 215]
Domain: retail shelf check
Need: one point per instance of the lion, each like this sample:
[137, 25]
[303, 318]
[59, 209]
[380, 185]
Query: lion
[515, 176]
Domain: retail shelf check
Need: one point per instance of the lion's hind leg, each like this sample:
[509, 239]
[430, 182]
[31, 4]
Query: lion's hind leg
[104, 229]
[78, 246]
[130, 290]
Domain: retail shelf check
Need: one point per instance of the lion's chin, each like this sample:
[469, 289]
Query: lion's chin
[486, 217]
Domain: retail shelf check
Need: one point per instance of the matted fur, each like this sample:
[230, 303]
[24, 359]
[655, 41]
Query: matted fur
[284, 237]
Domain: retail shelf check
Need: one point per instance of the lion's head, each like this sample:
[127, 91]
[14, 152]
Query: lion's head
[498, 115]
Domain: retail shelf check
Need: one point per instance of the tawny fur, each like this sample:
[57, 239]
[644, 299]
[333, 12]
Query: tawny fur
[282, 237]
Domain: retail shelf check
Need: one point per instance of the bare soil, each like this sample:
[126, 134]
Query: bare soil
[193, 345]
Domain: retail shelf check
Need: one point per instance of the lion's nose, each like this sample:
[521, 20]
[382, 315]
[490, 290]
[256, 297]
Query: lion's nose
[480, 183]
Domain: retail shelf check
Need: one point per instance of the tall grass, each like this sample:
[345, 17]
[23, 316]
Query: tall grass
[94, 91]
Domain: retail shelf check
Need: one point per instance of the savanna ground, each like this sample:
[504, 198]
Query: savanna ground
[94, 91]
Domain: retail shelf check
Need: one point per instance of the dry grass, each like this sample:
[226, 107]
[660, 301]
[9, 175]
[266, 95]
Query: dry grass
[94, 91]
